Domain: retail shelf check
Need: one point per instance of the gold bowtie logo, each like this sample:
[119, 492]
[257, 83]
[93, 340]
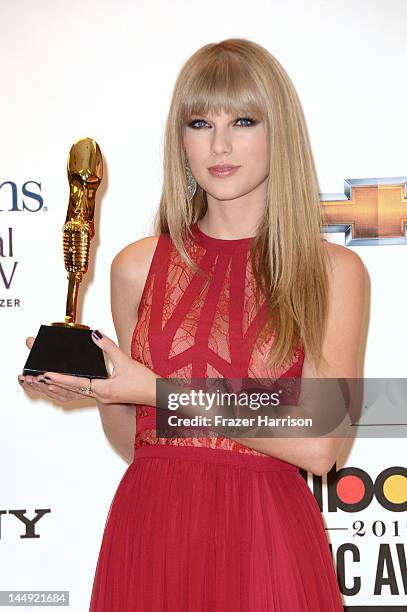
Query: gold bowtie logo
[371, 211]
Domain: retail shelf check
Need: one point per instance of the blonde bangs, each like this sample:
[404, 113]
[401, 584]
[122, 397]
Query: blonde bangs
[219, 82]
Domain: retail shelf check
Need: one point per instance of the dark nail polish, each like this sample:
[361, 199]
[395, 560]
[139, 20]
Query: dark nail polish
[97, 334]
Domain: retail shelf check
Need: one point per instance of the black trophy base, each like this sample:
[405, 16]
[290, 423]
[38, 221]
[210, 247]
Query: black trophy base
[67, 350]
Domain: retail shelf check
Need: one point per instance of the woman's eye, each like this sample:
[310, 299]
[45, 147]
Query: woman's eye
[245, 119]
[193, 123]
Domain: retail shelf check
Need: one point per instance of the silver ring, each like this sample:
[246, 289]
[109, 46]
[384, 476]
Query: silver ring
[86, 390]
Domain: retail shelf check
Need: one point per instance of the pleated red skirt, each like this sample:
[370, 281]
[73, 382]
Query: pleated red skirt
[198, 529]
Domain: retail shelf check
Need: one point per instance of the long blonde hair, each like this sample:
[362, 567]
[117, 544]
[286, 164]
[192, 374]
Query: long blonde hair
[287, 255]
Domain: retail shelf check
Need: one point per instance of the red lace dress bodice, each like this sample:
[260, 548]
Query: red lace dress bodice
[192, 327]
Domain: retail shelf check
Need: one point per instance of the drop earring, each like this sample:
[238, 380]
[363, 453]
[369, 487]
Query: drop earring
[191, 182]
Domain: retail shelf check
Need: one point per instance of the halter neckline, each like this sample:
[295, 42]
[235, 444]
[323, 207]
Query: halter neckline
[211, 241]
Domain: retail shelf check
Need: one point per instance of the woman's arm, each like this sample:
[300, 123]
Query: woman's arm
[128, 275]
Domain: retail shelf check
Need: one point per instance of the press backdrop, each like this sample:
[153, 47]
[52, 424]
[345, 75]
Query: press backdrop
[105, 69]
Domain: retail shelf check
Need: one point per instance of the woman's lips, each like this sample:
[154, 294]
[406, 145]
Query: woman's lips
[223, 171]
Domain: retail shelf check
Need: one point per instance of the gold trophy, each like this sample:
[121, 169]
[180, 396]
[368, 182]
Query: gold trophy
[67, 347]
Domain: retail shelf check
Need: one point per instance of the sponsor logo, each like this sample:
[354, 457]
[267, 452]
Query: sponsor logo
[370, 212]
[26, 199]
[352, 489]
[14, 199]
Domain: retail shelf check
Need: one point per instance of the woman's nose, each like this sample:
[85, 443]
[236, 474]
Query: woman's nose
[221, 142]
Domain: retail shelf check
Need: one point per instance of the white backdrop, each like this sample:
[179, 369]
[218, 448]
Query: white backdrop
[106, 69]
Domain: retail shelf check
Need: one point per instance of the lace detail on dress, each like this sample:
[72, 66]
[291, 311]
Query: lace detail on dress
[210, 440]
[192, 327]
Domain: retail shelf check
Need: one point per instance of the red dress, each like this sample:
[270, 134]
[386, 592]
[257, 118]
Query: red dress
[207, 524]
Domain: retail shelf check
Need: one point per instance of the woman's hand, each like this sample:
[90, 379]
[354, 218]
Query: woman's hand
[130, 382]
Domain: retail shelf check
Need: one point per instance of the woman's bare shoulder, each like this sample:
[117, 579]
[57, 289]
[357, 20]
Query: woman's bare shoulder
[128, 274]
[133, 261]
[341, 257]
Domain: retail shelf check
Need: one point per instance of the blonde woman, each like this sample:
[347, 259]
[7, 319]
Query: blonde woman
[236, 282]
